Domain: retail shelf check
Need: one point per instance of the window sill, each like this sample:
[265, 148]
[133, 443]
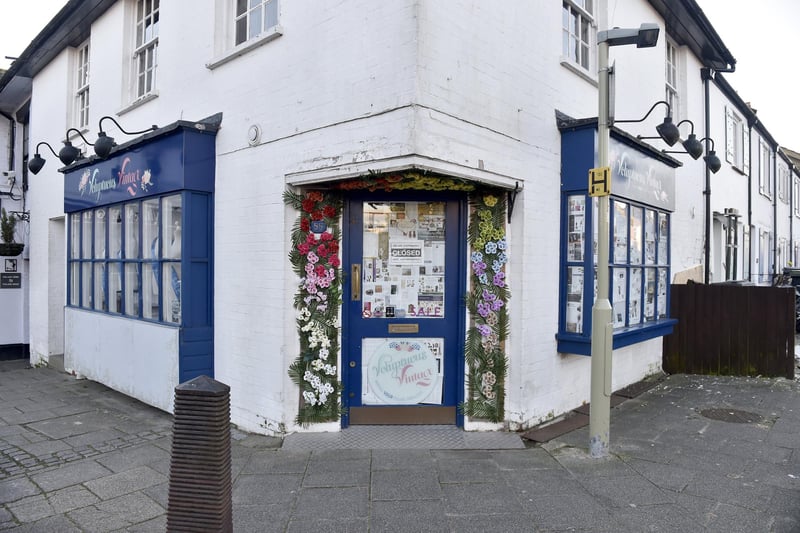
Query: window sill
[245, 47]
[136, 103]
[582, 344]
[583, 73]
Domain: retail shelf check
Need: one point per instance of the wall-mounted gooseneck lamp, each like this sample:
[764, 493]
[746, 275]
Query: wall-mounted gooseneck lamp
[667, 130]
[692, 146]
[711, 159]
[68, 153]
[105, 143]
[37, 162]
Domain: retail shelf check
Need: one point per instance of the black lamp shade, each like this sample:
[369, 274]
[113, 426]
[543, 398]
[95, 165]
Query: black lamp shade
[668, 131]
[68, 154]
[103, 145]
[713, 162]
[36, 164]
[693, 147]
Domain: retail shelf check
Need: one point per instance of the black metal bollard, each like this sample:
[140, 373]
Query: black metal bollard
[200, 466]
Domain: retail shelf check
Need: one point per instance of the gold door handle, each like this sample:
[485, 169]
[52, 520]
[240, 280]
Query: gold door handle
[355, 282]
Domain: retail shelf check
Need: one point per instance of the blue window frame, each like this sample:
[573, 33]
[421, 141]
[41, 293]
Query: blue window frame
[126, 259]
[126, 255]
[643, 192]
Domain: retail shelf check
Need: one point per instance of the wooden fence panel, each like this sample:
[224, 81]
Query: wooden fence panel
[731, 330]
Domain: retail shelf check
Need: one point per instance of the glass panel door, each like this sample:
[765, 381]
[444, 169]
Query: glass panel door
[402, 346]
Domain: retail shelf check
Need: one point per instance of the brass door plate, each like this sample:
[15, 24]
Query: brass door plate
[403, 328]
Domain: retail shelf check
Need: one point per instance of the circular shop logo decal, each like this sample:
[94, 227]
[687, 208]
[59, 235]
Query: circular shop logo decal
[402, 372]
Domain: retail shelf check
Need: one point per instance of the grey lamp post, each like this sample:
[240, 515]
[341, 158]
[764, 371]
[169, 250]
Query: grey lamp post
[645, 36]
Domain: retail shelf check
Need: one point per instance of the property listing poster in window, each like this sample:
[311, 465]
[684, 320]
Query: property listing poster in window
[403, 260]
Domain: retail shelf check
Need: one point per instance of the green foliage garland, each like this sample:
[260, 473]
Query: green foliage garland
[486, 361]
[315, 259]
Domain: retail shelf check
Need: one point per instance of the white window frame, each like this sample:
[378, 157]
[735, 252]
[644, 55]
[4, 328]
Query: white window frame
[737, 141]
[252, 19]
[672, 78]
[225, 47]
[80, 118]
[783, 182]
[796, 195]
[765, 168]
[765, 256]
[576, 49]
[145, 52]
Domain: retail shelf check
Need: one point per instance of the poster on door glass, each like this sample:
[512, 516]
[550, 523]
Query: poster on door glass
[403, 260]
[401, 371]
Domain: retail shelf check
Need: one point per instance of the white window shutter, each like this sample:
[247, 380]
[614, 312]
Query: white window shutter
[745, 150]
[730, 141]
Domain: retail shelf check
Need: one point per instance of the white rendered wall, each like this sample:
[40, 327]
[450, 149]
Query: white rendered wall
[460, 83]
[46, 201]
[136, 358]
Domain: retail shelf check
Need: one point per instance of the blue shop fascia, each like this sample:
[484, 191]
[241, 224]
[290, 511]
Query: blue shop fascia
[641, 203]
[127, 252]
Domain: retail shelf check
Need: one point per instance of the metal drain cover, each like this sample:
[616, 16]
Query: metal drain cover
[736, 416]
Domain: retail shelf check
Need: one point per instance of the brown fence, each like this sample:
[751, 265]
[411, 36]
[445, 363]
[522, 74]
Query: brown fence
[731, 330]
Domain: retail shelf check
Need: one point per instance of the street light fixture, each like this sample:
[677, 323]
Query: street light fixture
[645, 36]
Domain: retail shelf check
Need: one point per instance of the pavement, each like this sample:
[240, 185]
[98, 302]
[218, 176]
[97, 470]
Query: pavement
[692, 454]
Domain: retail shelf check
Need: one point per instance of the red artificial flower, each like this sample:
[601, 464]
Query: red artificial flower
[316, 215]
[315, 196]
[305, 224]
[322, 251]
[303, 248]
[329, 211]
[334, 261]
[308, 205]
[320, 270]
[310, 239]
[333, 247]
[327, 236]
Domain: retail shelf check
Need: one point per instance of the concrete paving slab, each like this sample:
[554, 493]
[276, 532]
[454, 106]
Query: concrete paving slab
[670, 469]
[405, 485]
[271, 488]
[479, 498]
[262, 517]
[407, 460]
[126, 482]
[31, 509]
[71, 474]
[404, 516]
[12, 490]
[334, 503]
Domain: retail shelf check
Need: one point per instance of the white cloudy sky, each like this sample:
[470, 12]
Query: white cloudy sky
[760, 35]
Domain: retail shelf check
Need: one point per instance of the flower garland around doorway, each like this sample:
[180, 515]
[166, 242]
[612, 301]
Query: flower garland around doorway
[315, 259]
[485, 351]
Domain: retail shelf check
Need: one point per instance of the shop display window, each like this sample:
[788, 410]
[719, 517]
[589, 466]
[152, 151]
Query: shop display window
[638, 262]
[126, 259]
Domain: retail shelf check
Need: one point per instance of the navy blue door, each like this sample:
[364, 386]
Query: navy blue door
[403, 323]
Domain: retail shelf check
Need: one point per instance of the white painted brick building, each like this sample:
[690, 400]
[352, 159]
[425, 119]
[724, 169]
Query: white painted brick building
[326, 94]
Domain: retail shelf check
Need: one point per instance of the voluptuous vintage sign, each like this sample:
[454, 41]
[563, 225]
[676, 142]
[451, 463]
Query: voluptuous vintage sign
[401, 371]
